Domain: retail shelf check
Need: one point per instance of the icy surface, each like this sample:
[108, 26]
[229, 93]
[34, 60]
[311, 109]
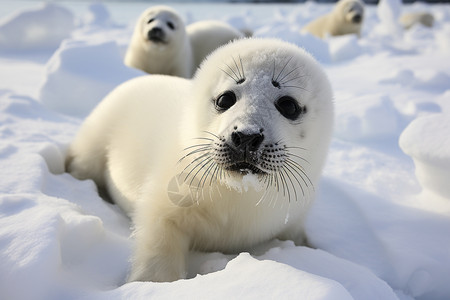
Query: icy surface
[380, 226]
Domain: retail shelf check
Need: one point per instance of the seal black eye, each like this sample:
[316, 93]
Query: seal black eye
[171, 26]
[225, 101]
[151, 20]
[289, 108]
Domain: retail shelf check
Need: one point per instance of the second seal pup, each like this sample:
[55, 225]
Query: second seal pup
[408, 20]
[161, 44]
[346, 18]
[222, 162]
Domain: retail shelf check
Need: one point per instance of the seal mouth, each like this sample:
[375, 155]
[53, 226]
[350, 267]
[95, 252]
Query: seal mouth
[245, 168]
[357, 19]
[157, 35]
[157, 40]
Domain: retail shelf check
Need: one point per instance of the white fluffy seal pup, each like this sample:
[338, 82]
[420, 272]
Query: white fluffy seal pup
[346, 17]
[408, 20]
[221, 162]
[161, 44]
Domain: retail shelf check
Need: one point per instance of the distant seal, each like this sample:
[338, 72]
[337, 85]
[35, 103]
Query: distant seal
[221, 162]
[408, 20]
[346, 18]
[161, 44]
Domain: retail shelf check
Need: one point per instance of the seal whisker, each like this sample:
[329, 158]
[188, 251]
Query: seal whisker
[268, 192]
[201, 165]
[242, 67]
[206, 173]
[201, 183]
[236, 76]
[289, 73]
[292, 183]
[201, 149]
[297, 87]
[295, 168]
[273, 71]
[291, 79]
[197, 145]
[261, 200]
[284, 185]
[209, 132]
[293, 147]
[194, 161]
[300, 169]
[273, 185]
[228, 74]
[287, 169]
[274, 200]
[203, 138]
[214, 174]
[295, 155]
[272, 179]
[237, 67]
[282, 70]
[194, 152]
[276, 182]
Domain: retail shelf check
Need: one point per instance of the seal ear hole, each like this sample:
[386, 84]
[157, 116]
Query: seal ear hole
[225, 101]
[171, 25]
[289, 107]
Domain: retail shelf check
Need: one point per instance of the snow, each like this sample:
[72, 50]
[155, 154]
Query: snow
[38, 28]
[89, 79]
[389, 12]
[380, 226]
[431, 154]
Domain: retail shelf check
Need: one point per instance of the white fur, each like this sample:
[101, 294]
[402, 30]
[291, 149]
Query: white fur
[408, 20]
[133, 141]
[174, 57]
[206, 36]
[184, 48]
[338, 21]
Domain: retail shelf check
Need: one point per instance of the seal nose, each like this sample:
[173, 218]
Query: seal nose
[357, 19]
[247, 142]
[156, 33]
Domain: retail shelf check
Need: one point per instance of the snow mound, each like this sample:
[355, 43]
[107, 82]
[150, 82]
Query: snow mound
[435, 80]
[344, 47]
[244, 277]
[98, 15]
[402, 76]
[398, 243]
[388, 12]
[41, 28]
[422, 140]
[89, 70]
[367, 117]
[358, 281]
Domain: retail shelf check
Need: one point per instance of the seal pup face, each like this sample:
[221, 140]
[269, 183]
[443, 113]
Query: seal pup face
[261, 108]
[353, 11]
[160, 26]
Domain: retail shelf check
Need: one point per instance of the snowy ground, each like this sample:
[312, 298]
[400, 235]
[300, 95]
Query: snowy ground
[381, 222]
